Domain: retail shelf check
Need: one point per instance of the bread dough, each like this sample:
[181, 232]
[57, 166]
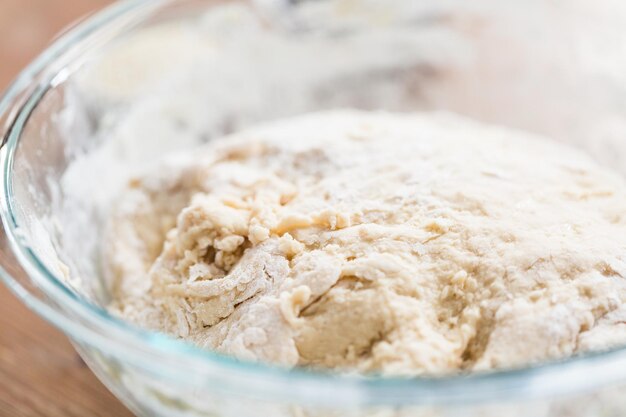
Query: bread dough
[395, 243]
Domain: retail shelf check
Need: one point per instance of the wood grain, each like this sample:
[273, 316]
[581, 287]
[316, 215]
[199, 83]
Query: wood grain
[40, 374]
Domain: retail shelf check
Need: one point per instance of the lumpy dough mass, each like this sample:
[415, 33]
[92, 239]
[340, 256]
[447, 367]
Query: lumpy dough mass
[375, 242]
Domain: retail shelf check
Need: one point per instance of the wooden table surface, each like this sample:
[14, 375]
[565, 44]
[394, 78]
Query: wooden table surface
[40, 374]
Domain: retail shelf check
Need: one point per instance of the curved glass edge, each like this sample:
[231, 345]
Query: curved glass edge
[134, 344]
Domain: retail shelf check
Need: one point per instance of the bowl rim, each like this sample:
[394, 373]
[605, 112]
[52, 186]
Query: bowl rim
[149, 350]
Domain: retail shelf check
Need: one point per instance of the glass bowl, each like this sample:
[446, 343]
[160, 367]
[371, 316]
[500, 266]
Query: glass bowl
[184, 72]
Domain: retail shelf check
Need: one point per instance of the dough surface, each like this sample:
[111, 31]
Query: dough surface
[376, 242]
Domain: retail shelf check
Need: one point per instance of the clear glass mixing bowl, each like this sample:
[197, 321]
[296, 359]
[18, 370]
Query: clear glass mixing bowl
[183, 72]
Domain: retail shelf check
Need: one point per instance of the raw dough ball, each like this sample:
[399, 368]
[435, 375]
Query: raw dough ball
[405, 244]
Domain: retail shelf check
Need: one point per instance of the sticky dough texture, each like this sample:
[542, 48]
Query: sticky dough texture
[402, 244]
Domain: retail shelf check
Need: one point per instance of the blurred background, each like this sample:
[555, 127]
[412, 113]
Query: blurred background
[40, 374]
[29, 25]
